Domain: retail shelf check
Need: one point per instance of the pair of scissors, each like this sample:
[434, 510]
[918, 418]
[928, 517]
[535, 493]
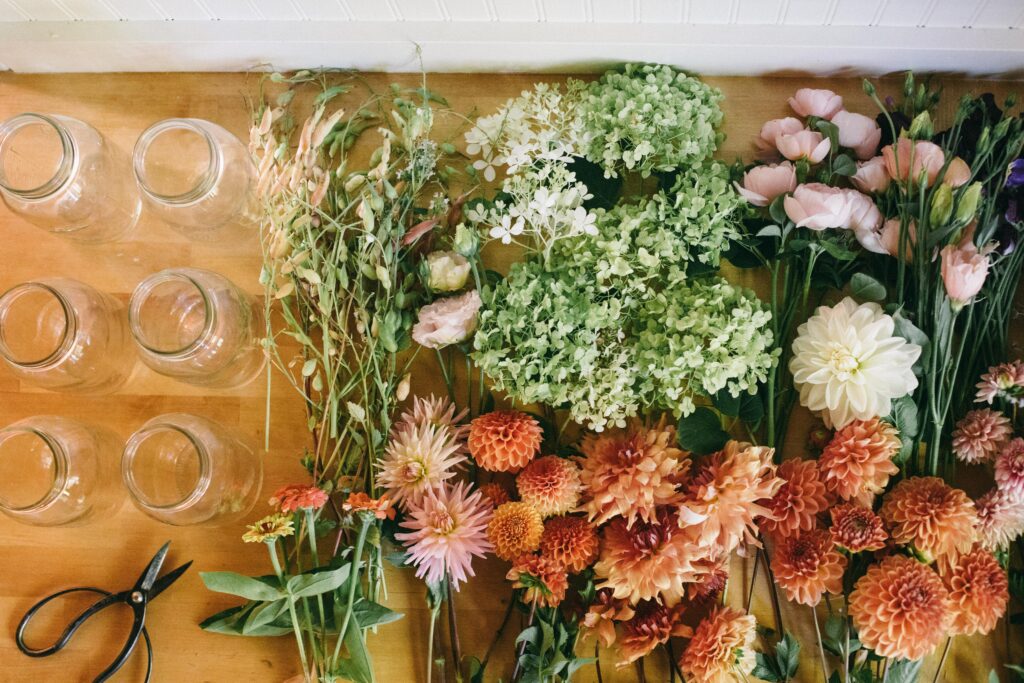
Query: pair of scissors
[148, 587]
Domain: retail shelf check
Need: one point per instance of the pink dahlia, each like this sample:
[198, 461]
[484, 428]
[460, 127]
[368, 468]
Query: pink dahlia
[980, 435]
[1005, 381]
[418, 459]
[441, 413]
[1000, 520]
[1010, 469]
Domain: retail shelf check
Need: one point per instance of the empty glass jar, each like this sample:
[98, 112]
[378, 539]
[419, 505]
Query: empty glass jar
[198, 177]
[198, 327]
[60, 174]
[58, 471]
[184, 470]
[63, 335]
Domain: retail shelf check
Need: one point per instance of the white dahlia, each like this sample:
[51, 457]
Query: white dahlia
[849, 365]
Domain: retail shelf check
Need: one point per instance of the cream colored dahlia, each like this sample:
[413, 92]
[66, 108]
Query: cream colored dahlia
[514, 530]
[730, 490]
[980, 435]
[542, 578]
[933, 517]
[900, 608]
[417, 459]
[798, 502]
[857, 463]
[857, 529]
[807, 566]
[652, 625]
[437, 411]
[571, 540]
[551, 484]
[722, 648]
[1000, 520]
[630, 473]
[1009, 469]
[978, 592]
[848, 363]
[504, 440]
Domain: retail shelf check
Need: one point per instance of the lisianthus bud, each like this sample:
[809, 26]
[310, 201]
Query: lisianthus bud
[964, 270]
[402, 392]
[968, 204]
[942, 206]
[448, 271]
[921, 127]
[467, 241]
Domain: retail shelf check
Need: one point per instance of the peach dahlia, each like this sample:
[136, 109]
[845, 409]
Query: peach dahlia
[857, 463]
[936, 519]
[515, 529]
[807, 566]
[550, 484]
[504, 440]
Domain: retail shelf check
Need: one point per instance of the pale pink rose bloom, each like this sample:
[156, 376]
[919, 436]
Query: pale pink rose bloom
[804, 144]
[908, 159]
[817, 206]
[821, 103]
[858, 132]
[447, 321]
[762, 184]
[771, 131]
[871, 176]
[865, 219]
[957, 173]
[964, 270]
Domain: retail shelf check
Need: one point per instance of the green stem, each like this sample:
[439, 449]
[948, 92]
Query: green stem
[353, 583]
[272, 548]
[311, 531]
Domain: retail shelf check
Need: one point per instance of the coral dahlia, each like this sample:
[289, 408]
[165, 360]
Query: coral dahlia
[721, 650]
[417, 460]
[1000, 520]
[543, 579]
[514, 530]
[857, 462]
[900, 608]
[570, 540]
[652, 625]
[798, 501]
[600, 618]
[550, 484]
[504, 440]
[935, 518]
[1010, 469]
[980, 435]
[496, 493]
[857, 528]
[978, 592]
[807, 566]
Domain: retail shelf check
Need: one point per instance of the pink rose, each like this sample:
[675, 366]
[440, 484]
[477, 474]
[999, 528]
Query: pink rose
[957, 173]
[864, 215]
[762, 184]
[821, 103]
[871, 176]
[771, 130]
[964, 270]
[910, 160]
[804, 144]
[817, 206]
[447, 321]
[858, 132]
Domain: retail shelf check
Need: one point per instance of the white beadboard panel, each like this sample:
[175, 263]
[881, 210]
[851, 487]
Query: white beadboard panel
[760, 12]
[952, 14]
[9, 12]
[466, 10]
[371, 10]
[88, 10]
[998, 14]
[277, 10]
[806, 12]
[904, 12]
[42, 10]
[419, 10]
[711, 11]
[564, 10]
[231, 10]
[135, 10]
[661, 11]
[517, 10]
[182, 10]
[615, 11]
[323, 10]
[856, 12]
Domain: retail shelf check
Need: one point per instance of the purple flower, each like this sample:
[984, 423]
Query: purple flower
[1015, 179]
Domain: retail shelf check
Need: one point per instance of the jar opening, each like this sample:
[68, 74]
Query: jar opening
[165, 467]
[36, 325]
[32, 470]
[170, 313]
[36, 155]
[176, 161]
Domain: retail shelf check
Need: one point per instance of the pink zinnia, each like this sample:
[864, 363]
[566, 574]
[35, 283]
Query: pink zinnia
[447, 529]
[1000, 520]
[295, 497]
[1005, 380]
[980, 435]
[1010, 469]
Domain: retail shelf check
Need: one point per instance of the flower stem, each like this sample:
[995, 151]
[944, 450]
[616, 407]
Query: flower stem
[272, 548]
[821, 650]
[353, 582]
[942, 660]
[454, 630]
[430, 643]
[517, 669]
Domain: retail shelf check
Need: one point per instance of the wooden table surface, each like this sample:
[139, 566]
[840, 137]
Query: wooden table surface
[111, 553]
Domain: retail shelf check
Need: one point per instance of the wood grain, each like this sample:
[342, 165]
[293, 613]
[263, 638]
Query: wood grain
[110, 553]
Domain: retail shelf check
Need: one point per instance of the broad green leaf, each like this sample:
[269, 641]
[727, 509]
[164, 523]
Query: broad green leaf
[242, 586]
[770, 231]
[264, 613]
[318, 583]
[766, 668]
[787, 654]
[726, 403]
[866, 288]
[369, 614]
[844, 165]
[751, 408]
[701, 433]
[904, 671]
[778, 211]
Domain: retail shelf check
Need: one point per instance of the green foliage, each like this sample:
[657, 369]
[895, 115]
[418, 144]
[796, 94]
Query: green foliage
[783, 664]
[701, 433]
[549, 654]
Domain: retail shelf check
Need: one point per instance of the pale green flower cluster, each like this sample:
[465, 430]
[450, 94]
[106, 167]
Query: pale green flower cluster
[650, 118]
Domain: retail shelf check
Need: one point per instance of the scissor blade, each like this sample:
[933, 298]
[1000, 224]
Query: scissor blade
[165, 581]
[148, 578]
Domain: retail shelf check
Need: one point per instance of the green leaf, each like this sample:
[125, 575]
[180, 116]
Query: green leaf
[231, 622]
[369, 613]
[242, 586]
[866, 288]
[264, 613]
[787, 654]
[318, 583]
[766, 668]
[770, 231]
[701, 433]
[844, 166]
[837, 251]
[358, 668]
[993, 677]
[751, 408]
[778, 211]
[904, 671]
[726, 403]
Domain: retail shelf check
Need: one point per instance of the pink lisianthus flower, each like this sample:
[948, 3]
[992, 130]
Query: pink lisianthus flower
[907, 161]
[817, 206]
[871, 176]
[762, 184]
[812, 102]
[964, 270]
[447, 321]
[804, 144]
[767, 142]
[858, 132]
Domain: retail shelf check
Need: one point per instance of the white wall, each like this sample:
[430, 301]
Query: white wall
[977, 37]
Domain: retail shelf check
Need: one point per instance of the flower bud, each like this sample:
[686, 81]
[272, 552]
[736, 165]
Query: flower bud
[447, 271]
[467, 241]
[942, 206]
[968, 204]
[819, 437]
[921, 127]
[402, 392]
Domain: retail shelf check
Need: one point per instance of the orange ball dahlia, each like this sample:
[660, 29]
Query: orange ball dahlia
[630, 473]
[798, 501]
[978, 592]
[652, 625]
[497, 494]
[515, 529]
[900, 608]
[543, 579]
[857, 463]
[647, 560]
[504, 441]
[807, 566]
[721, 650]
[570, 540]
[857, 528]
[935, 518]
[550, 484]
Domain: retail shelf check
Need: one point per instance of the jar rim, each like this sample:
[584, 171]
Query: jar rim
[141, 294]
[210, 177]
[65, 168]
[60, 469]
[68, 335]
[131, 451]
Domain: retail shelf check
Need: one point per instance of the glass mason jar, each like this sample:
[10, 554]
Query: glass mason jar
[63, 335]
[199, 178]
[60, 174]
[183, 470]
[198, 327]
[58, 471]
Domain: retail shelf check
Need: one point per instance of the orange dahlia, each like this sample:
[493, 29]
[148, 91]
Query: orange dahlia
[600, 618]
[570, 540]
[543, 579]
[798, 501]
[504, 441]
[857, 463]
[978, 592]
[711, 582]
[721, 650]
[497, 494]
[515, 529]
[729, 491]
[900, 608]
[550, 484]
[857, 528]
[631, 472]
[807, 566]
[647, 560]
[935, 518]
[652, 625]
